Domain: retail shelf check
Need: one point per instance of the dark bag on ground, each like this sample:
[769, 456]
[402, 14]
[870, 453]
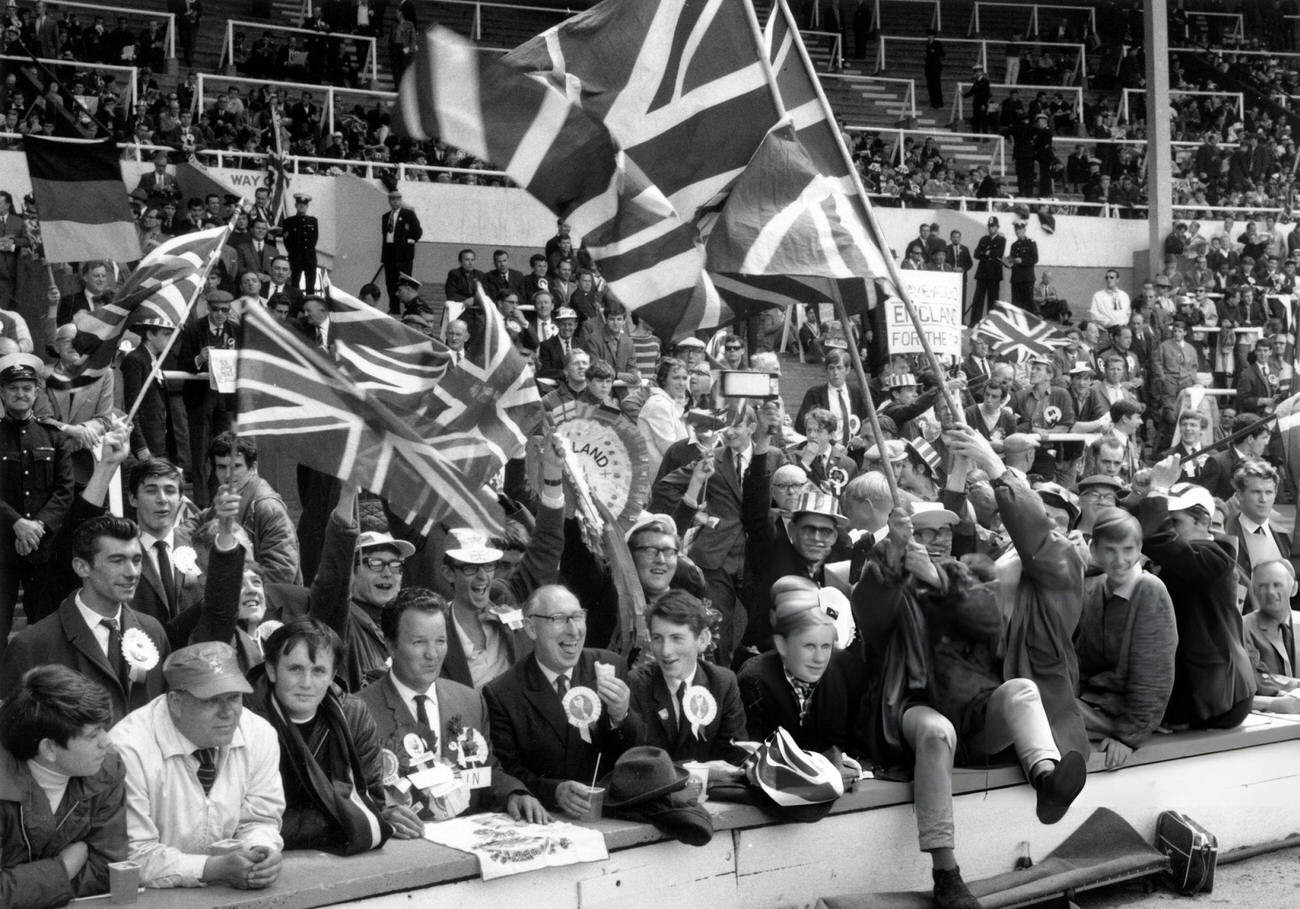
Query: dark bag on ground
[1193, 852]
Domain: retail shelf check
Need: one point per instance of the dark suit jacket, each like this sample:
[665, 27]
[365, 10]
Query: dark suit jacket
[1271, 673]
[1216, 476]
[401, 252]
[456, 667]
[769, 702]
[1252, 385]
[248, 259]
[651, 700]
[819, 396]
[195, 337]
[151, 426]
[960, 257]
[393, 721]
[460, 286]
[70, 305]
[533, 739]
[550, 357]
[494, 284]
[1232, 527]
[149, 597]
[616, 350]
[66, 639]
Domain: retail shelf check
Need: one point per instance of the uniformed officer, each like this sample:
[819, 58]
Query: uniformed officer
[35, 493]
[1022, 259]
[301, 232]
[408, 293]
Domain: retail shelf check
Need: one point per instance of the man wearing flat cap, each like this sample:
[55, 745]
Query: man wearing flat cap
[157, 432]
[36, 486]
[301, 232]
[989, 253]
[199, 770]
[401, 230]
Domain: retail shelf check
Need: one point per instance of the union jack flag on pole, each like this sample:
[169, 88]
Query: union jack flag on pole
[287, 388]
[1011, 330]
[166, 281]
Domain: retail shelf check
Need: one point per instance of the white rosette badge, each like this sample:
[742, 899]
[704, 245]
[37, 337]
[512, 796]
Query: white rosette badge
[186, 561]
[140, 653]
[582, 708]
[700, 708]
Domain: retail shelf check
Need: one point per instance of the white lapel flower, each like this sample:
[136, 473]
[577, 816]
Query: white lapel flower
[186, 561]
[140, 653]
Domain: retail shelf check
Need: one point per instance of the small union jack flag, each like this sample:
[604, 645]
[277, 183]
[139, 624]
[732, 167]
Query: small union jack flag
[1011, 330]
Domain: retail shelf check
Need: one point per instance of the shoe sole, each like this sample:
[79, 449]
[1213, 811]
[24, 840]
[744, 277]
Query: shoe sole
[1067, 782]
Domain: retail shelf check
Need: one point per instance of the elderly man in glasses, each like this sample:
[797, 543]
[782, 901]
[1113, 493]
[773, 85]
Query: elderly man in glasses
[562, 710]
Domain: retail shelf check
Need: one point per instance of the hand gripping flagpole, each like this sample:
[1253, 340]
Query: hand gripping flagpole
[189, 305]
[955, 413]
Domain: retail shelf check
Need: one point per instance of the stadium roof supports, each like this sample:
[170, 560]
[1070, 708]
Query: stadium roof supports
[1159, 167]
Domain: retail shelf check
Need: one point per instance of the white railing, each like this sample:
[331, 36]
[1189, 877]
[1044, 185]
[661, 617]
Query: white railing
[125, 76]
[168, 19]
[909, 87]
[936, 17]
[331, 92]
[1179, 93]
[1080, 70]
[370, 61]
[959, 106]
[1238, 29]
[997, 160]
[1033, 8]
[477, 28]
[1237, 52]
[837, 47]
[1004, 203]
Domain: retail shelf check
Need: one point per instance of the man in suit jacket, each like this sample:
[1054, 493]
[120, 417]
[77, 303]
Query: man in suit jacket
[554, 352]
[155, 432]
[1270, 630]
[715, 491]
[1256, 483]
[79, 635]
[834, 396]
[1257, 384]
[447, 717]
[1192, 425]
[280, 281]
[257, 254]
[171, 582]
[94, 280]
[461, 282]
[502, 278]
[607, 339]
[401, 230]
[208, 412]
[1216, 475]
[159, 184]
[560, 710]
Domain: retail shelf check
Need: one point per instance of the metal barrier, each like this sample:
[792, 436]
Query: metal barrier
[997, 159]
[909, 97]
[126, 76]
[371, 60]
[1080, 67]
[1180, 93]
[936, 18]
[837, 46]
[958, 105]
[331, 92]
[477, 28]
[168, 19]
[1033, 13]
[1238, 20]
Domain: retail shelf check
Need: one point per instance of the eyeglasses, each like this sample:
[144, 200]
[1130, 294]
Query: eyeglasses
[664, 552]
[931, 534]
[377, 564]
[218, 309]
[469, 571]
[788, 485]
[561, 619]
[734, 347]
[1094, 495]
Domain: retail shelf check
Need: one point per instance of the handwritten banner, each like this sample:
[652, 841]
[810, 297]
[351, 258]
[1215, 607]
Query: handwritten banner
[937, 298]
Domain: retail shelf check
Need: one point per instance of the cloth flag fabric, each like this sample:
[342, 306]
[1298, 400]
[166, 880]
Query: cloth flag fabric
[1011, 330]
[1288, 424]
[286, 387]
[84, 207]
[164, 283]
[197, 181]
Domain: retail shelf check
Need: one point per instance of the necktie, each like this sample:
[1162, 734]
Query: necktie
[259, 247]
[844, 417]
[561, 685]
[681, 705]
[422, 710]
[565, 345]
[115, 658]
[737, 465]
[1288, 648]
[207, 772]
[803, 694]
[167, 574]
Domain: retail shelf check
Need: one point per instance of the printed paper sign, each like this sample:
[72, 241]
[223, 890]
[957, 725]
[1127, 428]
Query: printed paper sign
[936, 295]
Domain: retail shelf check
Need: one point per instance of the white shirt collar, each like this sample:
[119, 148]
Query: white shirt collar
[551, 675]
[408, 695]
[147, 539]
[92, 617]
[1248, 525]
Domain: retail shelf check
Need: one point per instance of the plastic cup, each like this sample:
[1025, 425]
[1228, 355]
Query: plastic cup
[699, 780]
[595, 804]
[123, 882]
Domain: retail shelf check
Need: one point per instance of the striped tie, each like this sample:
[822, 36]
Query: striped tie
[207, 772]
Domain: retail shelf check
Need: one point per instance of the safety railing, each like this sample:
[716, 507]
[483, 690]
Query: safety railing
[1237, 52]
[1032, 9]
[836, 44]
[958, 101]
[997, 159]
[936, 17]
[331, 93]
[126, 77]
[1238, 97]
[132, 13]
[368, 61]
[1237, 22]
[1079, 72]
[1002, 204]
[909, 87]
[476, 28]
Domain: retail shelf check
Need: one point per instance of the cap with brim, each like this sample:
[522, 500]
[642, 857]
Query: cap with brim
[374, 539]
[1019, 441]
[394, 194]
[1060, 497]
[690, 824]
[817, 502]
[895, 450]
[405, 280]
[154, 320]
[565, 313]
[932, 514]
[1163, 281]
[1183, 496]
[900, 380]
[205, 671]
[20, 367]
[1099, 479]
[663, 522]
[642, 774]
[301, 197]
[471, 547]
[1081, 369]
[219, 296]
[690, 342]
[993, 222]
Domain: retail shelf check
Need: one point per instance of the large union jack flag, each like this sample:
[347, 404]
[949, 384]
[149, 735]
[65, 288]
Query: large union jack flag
[1011, 330]
[164, 283]
[287, 388]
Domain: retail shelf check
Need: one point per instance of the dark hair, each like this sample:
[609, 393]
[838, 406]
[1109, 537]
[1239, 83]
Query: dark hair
[499, 252]
[836, 357]
[313, 632]
[1245, 421]
[420, 599]
[535, 258]
[461, 254]
[600, 369]
[369, 290]
[85, 539]
[665, 369]
[228, 445]
[1125, 408]
[52, 702]
[614, 308]
[1115, 525]
[679, 608]
[284, 259]
[154, 468]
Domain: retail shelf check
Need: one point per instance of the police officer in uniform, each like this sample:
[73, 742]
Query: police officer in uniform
[301, 232]
[35, 493]
[1022, 259]
[989, 253]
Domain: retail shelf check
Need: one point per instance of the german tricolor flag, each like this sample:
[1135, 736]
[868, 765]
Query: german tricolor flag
[81, 200]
